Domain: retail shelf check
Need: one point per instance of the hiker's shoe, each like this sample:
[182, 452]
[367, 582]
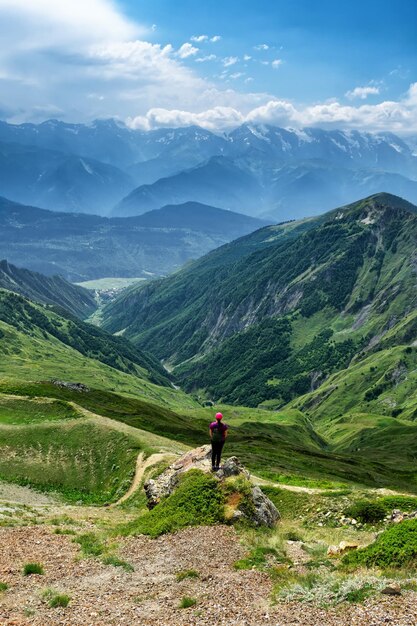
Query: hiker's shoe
[214, 469]
[217, 468]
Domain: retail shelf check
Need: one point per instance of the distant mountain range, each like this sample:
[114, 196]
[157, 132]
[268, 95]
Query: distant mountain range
[82, 247]
[260, 170]
[272, 316]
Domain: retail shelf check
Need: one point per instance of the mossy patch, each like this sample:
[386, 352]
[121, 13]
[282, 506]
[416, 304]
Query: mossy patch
[197, 501]
[396, 547]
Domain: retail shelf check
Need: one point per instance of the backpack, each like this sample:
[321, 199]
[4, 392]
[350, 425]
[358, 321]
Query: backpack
[217, 433]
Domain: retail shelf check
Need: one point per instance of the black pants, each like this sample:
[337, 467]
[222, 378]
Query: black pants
[216, 452]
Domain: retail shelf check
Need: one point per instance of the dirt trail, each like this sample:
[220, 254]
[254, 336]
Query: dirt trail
[381, 491]
[141, 466]
[270, 483]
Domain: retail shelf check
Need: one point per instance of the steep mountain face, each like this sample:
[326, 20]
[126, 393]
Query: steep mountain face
[293, 305]
[82, 247]
[59, 181]
[47, 290]
[27, 328]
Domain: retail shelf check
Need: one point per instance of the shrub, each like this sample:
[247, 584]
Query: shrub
[55, 599]
[187, 602]
[258, 559]
[59, 600]
[330, 589]
[367, 511]
[90, 544]
[405, 503]
[116, 562]
[32, 568]
[395, 547]
[3, 586]
[189, 573]
[196, 501]
[293, 535]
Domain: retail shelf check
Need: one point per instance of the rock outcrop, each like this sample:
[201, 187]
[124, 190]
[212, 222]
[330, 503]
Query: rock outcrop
[80, 387]
[261, 511]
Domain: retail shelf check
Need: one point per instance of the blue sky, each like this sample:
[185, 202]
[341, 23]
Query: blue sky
[154, 63]
[326, 46]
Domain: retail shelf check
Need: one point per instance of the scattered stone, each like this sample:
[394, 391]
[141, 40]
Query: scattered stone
[80, 387]
[398, 516]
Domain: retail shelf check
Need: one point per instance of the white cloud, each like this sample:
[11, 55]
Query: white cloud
[237, 75]
[209, 57]
[199, 38]
[362, 92]
[247, 57]
[264, 62]
[215, 39]
[228, 61]
[217, 118]
[277, 63]
[187, 50]
[398, 116]
[48, 22]
[261, 46]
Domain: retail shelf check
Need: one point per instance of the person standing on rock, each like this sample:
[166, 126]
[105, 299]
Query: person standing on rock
[218, 434]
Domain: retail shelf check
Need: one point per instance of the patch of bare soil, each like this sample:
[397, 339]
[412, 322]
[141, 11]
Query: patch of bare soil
[103, 595]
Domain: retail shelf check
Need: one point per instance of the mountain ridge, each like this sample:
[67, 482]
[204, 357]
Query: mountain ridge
[47, 290]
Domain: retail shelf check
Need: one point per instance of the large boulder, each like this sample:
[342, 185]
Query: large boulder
[253, 504]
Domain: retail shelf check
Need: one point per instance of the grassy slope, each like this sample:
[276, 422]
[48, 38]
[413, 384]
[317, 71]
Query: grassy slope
[279, 446]
[26, 319]
[55, 445]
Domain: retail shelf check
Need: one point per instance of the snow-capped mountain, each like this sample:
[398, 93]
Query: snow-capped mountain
[257, 169]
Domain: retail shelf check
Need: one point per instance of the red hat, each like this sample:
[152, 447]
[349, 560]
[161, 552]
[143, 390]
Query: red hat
[219, 416]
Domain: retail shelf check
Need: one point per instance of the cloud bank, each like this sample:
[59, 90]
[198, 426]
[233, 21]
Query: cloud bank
[388, 115]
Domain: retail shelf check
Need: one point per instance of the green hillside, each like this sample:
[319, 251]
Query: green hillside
[47, 289]
[21, 319]
[276, 322]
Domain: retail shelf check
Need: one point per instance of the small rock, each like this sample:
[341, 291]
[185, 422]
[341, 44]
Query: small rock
[332, 551]
[345, 546]
[393, 589]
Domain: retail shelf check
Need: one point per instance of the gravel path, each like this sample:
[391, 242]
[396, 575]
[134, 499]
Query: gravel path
[104, 595]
